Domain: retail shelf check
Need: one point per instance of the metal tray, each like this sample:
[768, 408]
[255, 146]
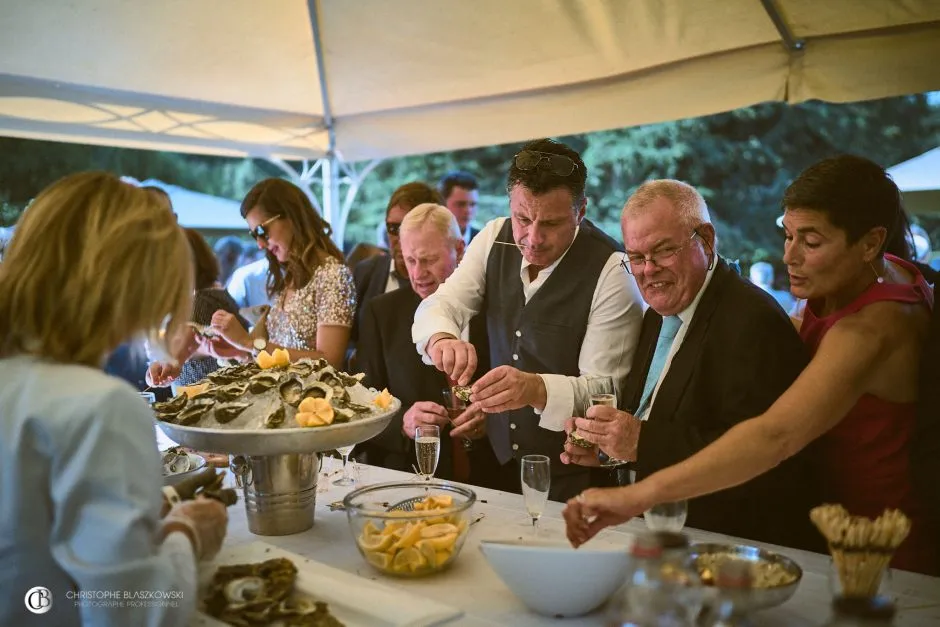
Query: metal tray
[281, 441]
[760, 598]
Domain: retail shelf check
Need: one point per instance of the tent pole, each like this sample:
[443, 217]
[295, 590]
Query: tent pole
[331, 166]
[792, 43]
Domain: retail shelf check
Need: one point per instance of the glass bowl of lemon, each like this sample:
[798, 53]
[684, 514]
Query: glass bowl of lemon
[410, 529]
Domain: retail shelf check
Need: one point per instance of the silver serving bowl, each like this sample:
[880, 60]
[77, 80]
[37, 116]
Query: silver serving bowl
[281, 441]
[759, 598]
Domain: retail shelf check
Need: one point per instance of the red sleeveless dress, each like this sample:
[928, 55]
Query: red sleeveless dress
[866, 457]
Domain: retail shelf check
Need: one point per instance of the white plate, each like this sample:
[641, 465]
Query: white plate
[345, 593]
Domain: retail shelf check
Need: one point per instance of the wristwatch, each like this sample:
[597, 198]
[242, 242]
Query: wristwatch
[260, 344]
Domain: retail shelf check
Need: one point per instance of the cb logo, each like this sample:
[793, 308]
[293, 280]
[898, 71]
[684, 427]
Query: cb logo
[38, 600]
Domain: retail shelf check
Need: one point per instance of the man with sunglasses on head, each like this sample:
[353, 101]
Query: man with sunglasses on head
[714, 350]
[385, 273]
[556, 305]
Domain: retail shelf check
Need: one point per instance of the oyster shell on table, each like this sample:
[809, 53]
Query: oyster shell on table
[291, 390]
[263, 381]
[301, 368]
[229, 411]
[274, 419]
[176, 460]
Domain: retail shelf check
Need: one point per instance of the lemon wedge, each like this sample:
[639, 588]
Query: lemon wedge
[281, 357]
[383, 400]
[408, 560]
[436, 531]
[376, 543]
[315, 412]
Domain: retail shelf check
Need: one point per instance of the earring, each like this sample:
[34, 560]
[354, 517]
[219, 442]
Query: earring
[878, 277]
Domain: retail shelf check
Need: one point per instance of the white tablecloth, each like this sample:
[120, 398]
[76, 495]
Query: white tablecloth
[472, 586]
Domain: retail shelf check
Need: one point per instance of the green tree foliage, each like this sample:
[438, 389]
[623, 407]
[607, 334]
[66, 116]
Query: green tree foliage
[741, 161]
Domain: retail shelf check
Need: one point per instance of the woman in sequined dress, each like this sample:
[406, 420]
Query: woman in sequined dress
[311, 288]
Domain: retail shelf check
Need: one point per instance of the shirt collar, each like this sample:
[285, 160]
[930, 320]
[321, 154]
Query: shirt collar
[548, 269]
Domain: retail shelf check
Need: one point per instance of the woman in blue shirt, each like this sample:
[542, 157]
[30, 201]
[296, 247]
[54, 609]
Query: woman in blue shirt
[94, 262]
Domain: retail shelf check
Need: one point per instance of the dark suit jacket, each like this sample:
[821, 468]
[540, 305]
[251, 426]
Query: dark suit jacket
[371, 277]
[739, 354]
[925, 444]
[388, 358]
[473, 232]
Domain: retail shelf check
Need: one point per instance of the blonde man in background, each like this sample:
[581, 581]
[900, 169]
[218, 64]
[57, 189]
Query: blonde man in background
[94, 262]
[432, 246]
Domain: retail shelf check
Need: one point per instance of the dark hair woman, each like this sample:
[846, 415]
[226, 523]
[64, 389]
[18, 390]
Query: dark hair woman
[865, 323]
[312, 289]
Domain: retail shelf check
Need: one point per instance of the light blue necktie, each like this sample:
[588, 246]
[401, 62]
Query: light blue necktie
[667, 333]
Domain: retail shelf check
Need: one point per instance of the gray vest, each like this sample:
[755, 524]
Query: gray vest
[543, 336]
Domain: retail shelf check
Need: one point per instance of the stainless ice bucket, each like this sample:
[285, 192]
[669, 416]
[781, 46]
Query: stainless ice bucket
[280, 491]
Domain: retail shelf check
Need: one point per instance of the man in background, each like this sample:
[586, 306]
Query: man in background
[459, 191]
[762, 275]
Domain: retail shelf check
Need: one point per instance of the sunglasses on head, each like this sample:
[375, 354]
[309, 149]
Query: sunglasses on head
[393, 227]
[260, 231]
[559, 165]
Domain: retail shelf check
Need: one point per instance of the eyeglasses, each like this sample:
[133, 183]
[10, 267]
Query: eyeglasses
[559, 165]
[260, 232]
[660, 259]
[393, 227]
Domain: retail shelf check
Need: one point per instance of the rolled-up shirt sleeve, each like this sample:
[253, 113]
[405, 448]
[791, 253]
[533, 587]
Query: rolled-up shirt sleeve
[610, 340]
[460, 298]
[106, 482]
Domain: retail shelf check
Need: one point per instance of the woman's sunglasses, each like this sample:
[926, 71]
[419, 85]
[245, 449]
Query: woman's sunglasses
[260, 232]
[559, 165]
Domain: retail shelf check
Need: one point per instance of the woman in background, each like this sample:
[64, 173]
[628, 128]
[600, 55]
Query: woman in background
[94, 262]
[312, 289]
[208, 298]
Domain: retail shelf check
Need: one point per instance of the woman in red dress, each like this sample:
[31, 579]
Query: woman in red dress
[865, 322]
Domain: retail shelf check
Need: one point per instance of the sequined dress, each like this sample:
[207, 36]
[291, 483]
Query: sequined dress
[328, 298]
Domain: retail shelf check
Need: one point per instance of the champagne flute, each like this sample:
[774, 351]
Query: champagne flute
[345, 479]
[427, 449]
[536, 481]
[667, 516]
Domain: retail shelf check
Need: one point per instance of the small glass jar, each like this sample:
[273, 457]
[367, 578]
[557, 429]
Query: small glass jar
[861, 612]
[881, 588]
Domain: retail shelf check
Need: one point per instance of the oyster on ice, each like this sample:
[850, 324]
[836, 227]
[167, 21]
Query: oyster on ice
[228, 412]
[263, 381]
[317, 389]
[290, 391]
[275, 418]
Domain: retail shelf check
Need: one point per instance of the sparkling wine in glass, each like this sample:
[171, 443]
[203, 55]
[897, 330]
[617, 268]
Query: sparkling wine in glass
[345, 479]
[536, 481]
[667, 516]
[427, 449]
[601, 389]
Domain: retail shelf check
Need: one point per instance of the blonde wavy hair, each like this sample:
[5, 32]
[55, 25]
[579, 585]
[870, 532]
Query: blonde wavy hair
[93, 262]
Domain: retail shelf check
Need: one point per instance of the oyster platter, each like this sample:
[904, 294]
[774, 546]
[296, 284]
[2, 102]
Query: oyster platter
[274, 407]
[261, 584]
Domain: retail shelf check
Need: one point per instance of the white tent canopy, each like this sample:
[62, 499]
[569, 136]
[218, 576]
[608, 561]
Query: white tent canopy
[392, 77]
[919, 182]
[199, 211]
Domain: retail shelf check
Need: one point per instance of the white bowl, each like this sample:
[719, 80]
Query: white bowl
[554, 579]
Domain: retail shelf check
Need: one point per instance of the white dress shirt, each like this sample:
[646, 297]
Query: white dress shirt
[686, 316]
[610, 339]
[248, 284]
[80, 481]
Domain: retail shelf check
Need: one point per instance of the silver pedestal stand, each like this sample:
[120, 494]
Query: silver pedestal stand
[277, 469]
